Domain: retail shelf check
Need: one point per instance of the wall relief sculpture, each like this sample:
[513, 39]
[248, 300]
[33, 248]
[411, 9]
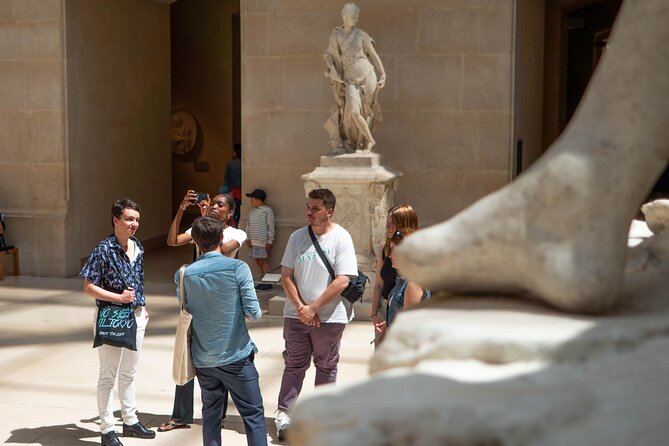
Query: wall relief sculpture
[184, 132]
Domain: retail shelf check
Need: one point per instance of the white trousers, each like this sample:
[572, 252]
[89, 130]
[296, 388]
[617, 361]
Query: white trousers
[121, 362]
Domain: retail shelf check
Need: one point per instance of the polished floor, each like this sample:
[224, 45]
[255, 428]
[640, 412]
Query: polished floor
[48, 370]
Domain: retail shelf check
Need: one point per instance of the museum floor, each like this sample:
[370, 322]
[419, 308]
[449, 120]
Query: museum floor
[49, 370]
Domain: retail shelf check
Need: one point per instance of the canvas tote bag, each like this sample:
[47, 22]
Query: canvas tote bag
[182, 364]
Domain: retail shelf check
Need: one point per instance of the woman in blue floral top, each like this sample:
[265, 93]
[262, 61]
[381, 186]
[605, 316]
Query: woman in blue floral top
[114, 273]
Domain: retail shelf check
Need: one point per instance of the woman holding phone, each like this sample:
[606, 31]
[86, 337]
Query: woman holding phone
[114, 273]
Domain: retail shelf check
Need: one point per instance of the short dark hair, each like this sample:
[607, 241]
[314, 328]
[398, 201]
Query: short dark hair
[326, 196]
[123, 203]
[207, 232]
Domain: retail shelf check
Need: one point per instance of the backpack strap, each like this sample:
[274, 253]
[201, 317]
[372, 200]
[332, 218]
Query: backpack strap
[320, 252]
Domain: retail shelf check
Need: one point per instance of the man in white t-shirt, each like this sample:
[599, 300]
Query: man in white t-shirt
[221, 208]
[315, 314]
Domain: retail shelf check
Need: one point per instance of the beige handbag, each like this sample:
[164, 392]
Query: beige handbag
[182, 364]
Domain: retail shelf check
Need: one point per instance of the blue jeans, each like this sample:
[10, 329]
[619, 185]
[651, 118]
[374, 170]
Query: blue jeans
[241, 380]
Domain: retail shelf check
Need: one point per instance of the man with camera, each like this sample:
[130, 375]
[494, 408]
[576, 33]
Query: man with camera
[220, 208]
[314, 314]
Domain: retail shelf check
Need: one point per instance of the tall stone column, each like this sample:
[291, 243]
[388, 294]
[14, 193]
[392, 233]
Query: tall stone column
[364, 190]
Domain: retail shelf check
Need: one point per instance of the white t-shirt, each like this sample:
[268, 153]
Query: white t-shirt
[229, 233]
[311, 275]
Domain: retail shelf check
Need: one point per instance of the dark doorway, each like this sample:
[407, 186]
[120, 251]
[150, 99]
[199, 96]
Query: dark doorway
[588, 30]
[206, 97]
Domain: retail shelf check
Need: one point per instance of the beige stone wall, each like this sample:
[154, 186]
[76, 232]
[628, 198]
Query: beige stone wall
[85, 108]
[118, 84]
[33, 164]
[446, 106]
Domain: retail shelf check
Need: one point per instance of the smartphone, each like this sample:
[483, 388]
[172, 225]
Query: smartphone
[201, 196]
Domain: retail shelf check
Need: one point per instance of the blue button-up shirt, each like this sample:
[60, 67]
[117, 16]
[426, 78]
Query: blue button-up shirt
[219, 294]
[110, 268]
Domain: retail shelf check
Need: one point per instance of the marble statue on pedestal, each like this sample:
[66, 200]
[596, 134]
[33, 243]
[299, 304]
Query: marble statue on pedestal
[357, 76]
[585, 362]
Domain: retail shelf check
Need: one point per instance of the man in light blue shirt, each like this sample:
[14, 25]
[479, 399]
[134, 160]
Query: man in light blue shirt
[220, 294]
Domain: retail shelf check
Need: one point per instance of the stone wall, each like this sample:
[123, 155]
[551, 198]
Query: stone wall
[33, 167]
[86, 120]
[446, 106]
[118, 100]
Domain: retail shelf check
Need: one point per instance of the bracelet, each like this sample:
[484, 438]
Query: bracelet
[183, 209]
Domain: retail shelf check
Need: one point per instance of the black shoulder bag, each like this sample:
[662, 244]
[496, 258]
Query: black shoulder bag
[356, 287]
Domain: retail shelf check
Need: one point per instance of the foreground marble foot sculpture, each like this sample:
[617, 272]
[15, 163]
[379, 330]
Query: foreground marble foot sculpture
[501, 373]
[559, 231]
[498, 371]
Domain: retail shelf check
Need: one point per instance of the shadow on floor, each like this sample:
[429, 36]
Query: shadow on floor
[74, 435]
[61, 434]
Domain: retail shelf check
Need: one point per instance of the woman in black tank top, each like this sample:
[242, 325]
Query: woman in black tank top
[400, 218]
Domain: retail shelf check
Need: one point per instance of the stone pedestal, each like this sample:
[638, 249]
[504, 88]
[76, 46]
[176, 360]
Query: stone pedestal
[364, 190]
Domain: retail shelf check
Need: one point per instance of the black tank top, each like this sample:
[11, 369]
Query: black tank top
[388, 274]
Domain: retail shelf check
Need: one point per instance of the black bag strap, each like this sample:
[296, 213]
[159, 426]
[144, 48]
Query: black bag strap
[320, 252]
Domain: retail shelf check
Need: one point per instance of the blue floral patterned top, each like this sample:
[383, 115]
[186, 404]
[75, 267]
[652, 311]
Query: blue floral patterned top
[110, 268]
[396, 299]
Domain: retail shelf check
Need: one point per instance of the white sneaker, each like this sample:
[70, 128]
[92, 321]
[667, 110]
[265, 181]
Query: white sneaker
[282, 421]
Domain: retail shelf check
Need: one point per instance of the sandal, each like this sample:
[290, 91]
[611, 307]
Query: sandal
[171, 425]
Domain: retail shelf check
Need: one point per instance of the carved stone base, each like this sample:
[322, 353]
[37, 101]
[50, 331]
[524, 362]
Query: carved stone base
[364, 190]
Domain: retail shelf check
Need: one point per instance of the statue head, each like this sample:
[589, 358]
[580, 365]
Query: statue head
[351, 11]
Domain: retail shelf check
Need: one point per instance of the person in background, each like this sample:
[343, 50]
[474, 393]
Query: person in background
[219, 294]
[114, 272]
[219, 208]
[232, 181]
[314, 314]
[260, 229]
[403, 218]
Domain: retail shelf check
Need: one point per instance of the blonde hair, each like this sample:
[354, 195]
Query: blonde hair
[405, 219]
